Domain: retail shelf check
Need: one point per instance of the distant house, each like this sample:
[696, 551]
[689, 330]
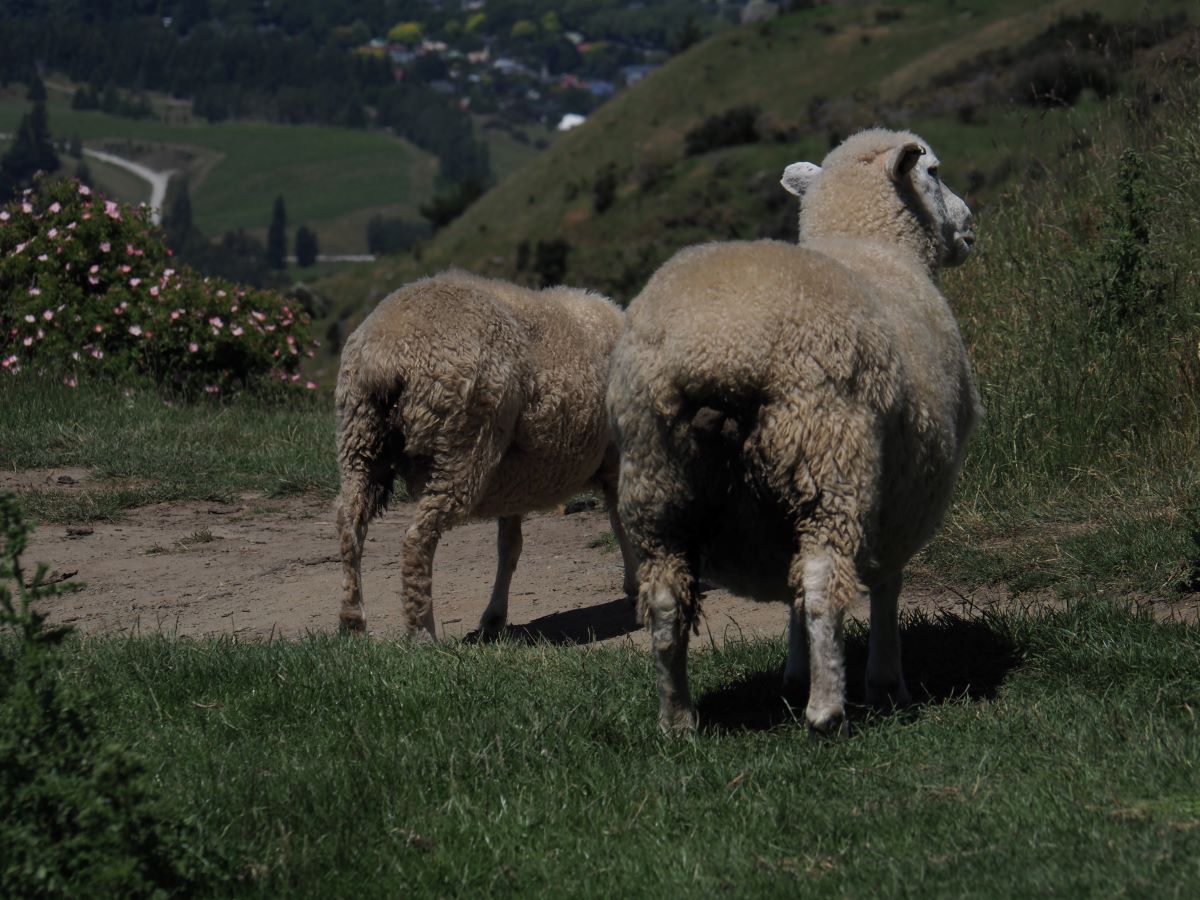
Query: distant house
[506, 66]
[569, 121]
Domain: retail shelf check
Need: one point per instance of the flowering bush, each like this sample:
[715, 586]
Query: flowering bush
[89, 285]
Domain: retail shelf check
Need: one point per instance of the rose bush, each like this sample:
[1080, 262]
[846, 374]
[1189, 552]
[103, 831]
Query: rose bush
[89, 286]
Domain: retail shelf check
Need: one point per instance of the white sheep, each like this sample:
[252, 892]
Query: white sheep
[792, 419]
[487, 398]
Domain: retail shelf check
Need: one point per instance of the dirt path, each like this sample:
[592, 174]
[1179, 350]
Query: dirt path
[263, 567]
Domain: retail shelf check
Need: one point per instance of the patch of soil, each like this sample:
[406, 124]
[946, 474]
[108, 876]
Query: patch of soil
[270, 567]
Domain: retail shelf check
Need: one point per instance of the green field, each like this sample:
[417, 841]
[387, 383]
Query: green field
[331, 179]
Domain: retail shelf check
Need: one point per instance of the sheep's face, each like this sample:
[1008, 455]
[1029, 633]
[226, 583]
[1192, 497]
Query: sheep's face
[914, 168]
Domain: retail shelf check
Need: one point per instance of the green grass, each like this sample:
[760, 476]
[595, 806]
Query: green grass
[141, 450]
[1050, 755]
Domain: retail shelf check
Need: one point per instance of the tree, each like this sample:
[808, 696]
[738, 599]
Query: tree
[277, 236]
[306, 246]
[31, 152]
[177, 217]
[37, 89]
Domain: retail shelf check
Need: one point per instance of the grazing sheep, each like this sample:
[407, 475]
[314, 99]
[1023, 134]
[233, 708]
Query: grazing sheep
[488, 399]
[792, 418]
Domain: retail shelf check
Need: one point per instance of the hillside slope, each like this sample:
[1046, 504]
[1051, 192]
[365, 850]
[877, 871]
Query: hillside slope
[612, 199]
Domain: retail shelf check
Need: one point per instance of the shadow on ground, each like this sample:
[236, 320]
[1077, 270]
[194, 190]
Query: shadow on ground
[576, 626]
[945, 658]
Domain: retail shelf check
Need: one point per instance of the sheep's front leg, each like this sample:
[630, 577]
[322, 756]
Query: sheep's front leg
[665, 590]
[508, 547]
[829, 584]
[885, 676]
[629, 583]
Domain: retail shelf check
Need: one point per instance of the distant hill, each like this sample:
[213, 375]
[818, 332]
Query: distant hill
[695, 150]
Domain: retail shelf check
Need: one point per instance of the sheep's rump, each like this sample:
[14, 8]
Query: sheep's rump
[751, 397]
[450, 360]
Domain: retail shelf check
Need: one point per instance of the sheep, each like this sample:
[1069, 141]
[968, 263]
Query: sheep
[487, 398]
[792, 418]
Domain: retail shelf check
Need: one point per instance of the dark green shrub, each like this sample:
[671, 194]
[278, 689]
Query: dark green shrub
[91, 287]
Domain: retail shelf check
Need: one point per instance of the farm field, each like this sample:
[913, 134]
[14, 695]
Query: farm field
[332, 179]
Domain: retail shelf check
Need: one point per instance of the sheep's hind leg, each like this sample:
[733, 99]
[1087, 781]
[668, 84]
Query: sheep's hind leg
[508, 547]
[829, 583]
[668, 603]
[795, 670]
[354, 513]
[885, 676]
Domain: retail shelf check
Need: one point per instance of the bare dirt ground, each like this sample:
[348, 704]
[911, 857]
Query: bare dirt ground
[263, 568]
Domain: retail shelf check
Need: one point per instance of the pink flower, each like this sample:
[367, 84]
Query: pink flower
[99, 329]
[135, 330]
[311, 385]
[20, 247]
[216, 322]
[237, 331]
[33, 292]
[193, 347]
[4, 216]
[134, 282]
[29, 318]
[48, 314]
[27, 207]
[94, 269]
[92, 279]
[52, 233]
[70, 382]
[28, 342]
[55, 206]
[42, 257]
[220, 293]
[125, 270]
[296, 377]
[9, 360]
[97, 353]
[85, 190]
[118, 310]
[154, 290]
[105, 246]
[211, 389]
[167, 273]
[257, 316]
[174, 313]
[75, 355]
[111, 210]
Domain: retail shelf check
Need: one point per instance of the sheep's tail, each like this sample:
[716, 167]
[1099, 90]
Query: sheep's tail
[370, 445]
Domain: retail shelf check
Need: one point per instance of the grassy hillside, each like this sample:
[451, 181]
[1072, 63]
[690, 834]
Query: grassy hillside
[813, 76]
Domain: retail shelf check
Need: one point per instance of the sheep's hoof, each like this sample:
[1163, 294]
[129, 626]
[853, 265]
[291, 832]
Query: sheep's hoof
[353, 623]
[490, 629]
[826, 721]
[678, 722]
[889, 695]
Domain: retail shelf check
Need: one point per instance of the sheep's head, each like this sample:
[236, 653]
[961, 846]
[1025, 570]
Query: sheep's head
[883, 184]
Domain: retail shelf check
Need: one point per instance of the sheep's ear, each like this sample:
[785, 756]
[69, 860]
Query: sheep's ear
[798, 177]
[901, 160]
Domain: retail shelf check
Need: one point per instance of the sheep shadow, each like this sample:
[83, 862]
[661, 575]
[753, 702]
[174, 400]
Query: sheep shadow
[945, 658]
[575, 626]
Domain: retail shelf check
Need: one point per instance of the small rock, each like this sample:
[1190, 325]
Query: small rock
[224, 510]
[66, 479]
[77, 531]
